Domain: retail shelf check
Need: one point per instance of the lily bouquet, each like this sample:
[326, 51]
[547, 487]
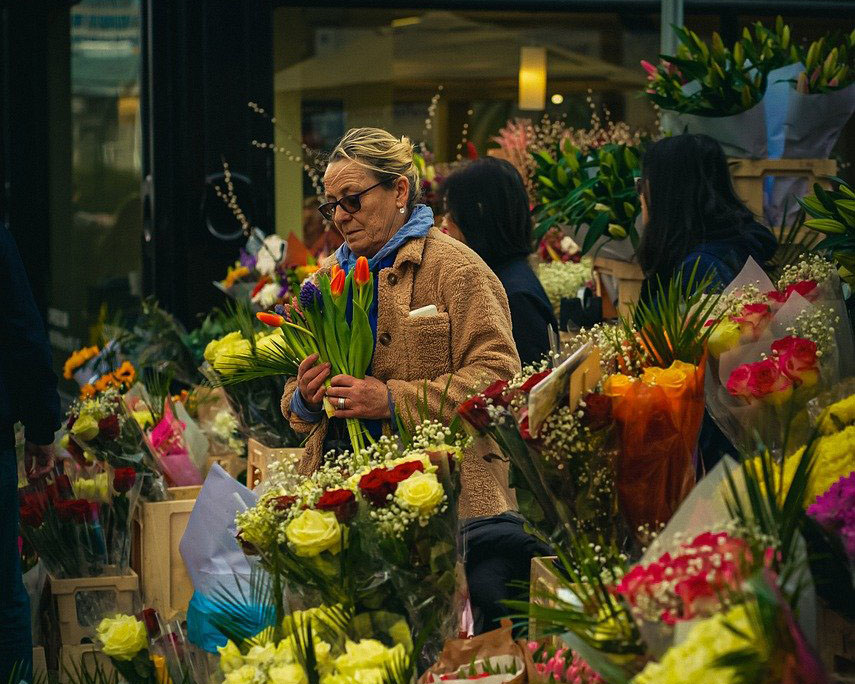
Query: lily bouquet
[317, 323]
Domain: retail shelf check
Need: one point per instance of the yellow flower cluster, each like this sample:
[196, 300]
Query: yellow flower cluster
[691, 660]
[92, 489]
[122, 637]
[224, 354]
[838, 416]
[77, 359]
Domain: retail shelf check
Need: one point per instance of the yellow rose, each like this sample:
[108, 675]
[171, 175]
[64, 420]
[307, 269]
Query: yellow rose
[143, 418]
[85, 427]
[673, 380]
[230, 657]
[370, 676]
[314, 532]
[724, 337]
[227, 359]
[260, 656]
[366, 655]
[213, 347]
[617, 385]
[421, 491]
[287, 674]
[335, 679]
[248, 674]
[95, 489]
[122, 637]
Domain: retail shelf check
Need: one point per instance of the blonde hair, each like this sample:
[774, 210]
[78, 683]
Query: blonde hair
[387, 157]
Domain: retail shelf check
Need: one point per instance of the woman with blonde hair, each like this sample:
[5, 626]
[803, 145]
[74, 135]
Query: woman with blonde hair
[440, 317]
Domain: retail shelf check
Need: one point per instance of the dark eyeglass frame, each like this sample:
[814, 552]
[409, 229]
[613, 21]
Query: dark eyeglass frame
[639, 186]
[328, 209]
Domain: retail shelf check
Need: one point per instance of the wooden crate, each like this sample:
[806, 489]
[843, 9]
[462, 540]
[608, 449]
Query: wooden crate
[836, 642]
[232, 463]
[83, 658]
[164, 581]
[542, 580]
[629, 279]
[259, 457]
[68, 594]
[749, 175]
[39, 664]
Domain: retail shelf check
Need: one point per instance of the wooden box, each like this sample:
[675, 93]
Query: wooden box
[81, 602]
[85, 659]
[39, 664]
[232, 463]
[836, 643]
[542, 581]
[629, 279]
[164, 581]
[259, 457]
[749, 174]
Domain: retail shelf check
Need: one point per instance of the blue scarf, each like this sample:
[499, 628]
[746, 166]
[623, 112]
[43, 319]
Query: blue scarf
[418, 226]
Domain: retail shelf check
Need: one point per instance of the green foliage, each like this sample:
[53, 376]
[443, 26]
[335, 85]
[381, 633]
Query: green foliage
[595, 189]
[832, 213]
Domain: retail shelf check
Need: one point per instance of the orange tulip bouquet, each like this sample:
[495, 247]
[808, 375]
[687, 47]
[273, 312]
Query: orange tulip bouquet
[317, 323]
[658, 397]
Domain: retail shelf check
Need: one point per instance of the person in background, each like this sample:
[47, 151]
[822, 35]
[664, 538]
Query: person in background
[27, 395]
[691, 215]
[487, 209]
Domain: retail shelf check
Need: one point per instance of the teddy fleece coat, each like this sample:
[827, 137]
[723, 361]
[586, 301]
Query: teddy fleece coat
[468, 341]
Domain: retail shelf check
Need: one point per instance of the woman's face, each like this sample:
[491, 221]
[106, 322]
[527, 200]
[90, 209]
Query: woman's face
[449, 227]
[379, 216]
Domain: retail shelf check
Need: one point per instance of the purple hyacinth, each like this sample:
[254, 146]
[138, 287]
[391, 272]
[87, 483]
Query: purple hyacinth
[279, 309]
[310, 297]
[246, 259]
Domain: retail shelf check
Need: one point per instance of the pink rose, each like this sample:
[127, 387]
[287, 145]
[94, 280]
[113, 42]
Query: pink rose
[754, 319]
[797, 359]
[737, 383]
[768, 383]
[805, 288]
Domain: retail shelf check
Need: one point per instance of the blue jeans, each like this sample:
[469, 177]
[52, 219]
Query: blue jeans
[16, 646]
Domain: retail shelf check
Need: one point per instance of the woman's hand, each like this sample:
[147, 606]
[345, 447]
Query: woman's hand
[368, 398]
[310, 381]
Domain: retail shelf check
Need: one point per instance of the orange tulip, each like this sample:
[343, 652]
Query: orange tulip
[334, 271]
[271, 319]
[337, 283]
[361, 274]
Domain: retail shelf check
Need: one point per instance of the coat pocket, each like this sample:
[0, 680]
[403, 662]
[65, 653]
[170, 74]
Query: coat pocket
[428, 346]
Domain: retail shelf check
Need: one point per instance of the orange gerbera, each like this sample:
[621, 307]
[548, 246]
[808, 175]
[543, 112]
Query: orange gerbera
[77, 359]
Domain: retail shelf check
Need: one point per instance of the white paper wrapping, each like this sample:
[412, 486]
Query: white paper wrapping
[741, 135]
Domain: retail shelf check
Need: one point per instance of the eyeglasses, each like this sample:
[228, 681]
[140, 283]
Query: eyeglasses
[350, 203]
[639, 186]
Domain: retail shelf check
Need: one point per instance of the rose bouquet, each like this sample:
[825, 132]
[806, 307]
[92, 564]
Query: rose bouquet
[168, 443]
[81, 527]
[561, 665]
[330, 320]
[563, 473]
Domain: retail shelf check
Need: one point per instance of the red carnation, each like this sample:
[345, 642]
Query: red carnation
[283, 503]
[376, 486]
[31, 515]
[597, 413]
[109, 427]
[76, 510]
[124, 479]
[403, 470]
[496, 393]
[342, 502]
[529, 384]
[474, 412]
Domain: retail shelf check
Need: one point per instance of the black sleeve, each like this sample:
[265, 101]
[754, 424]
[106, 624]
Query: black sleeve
[24, 349]
[530, 322]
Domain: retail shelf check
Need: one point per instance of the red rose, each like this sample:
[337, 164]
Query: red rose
[76, 452]
[737, 383]
[376, 487]
[76, 510]
[342, 502]
[529, 384]
[597, 413]
[124, 479]
[768, 382]
[283, 503]
[403, 470]
[31, 516]
[754, 319]
[35, 499]
[474, 412]
[797, 359]
[524, 431]
[496, 393]
[109, 427]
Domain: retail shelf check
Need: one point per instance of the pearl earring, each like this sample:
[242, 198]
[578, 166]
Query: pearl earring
[402, 210]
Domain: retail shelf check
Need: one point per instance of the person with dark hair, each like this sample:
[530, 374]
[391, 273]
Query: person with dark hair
[692, 218]
[691, 214]
[27, 394]
[487, 209]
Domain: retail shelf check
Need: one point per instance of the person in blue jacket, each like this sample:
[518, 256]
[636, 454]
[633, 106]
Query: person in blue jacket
[487, 208]
[691, 216]
[27, 395]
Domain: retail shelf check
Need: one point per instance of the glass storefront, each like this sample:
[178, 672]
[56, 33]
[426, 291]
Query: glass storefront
[96, 228]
